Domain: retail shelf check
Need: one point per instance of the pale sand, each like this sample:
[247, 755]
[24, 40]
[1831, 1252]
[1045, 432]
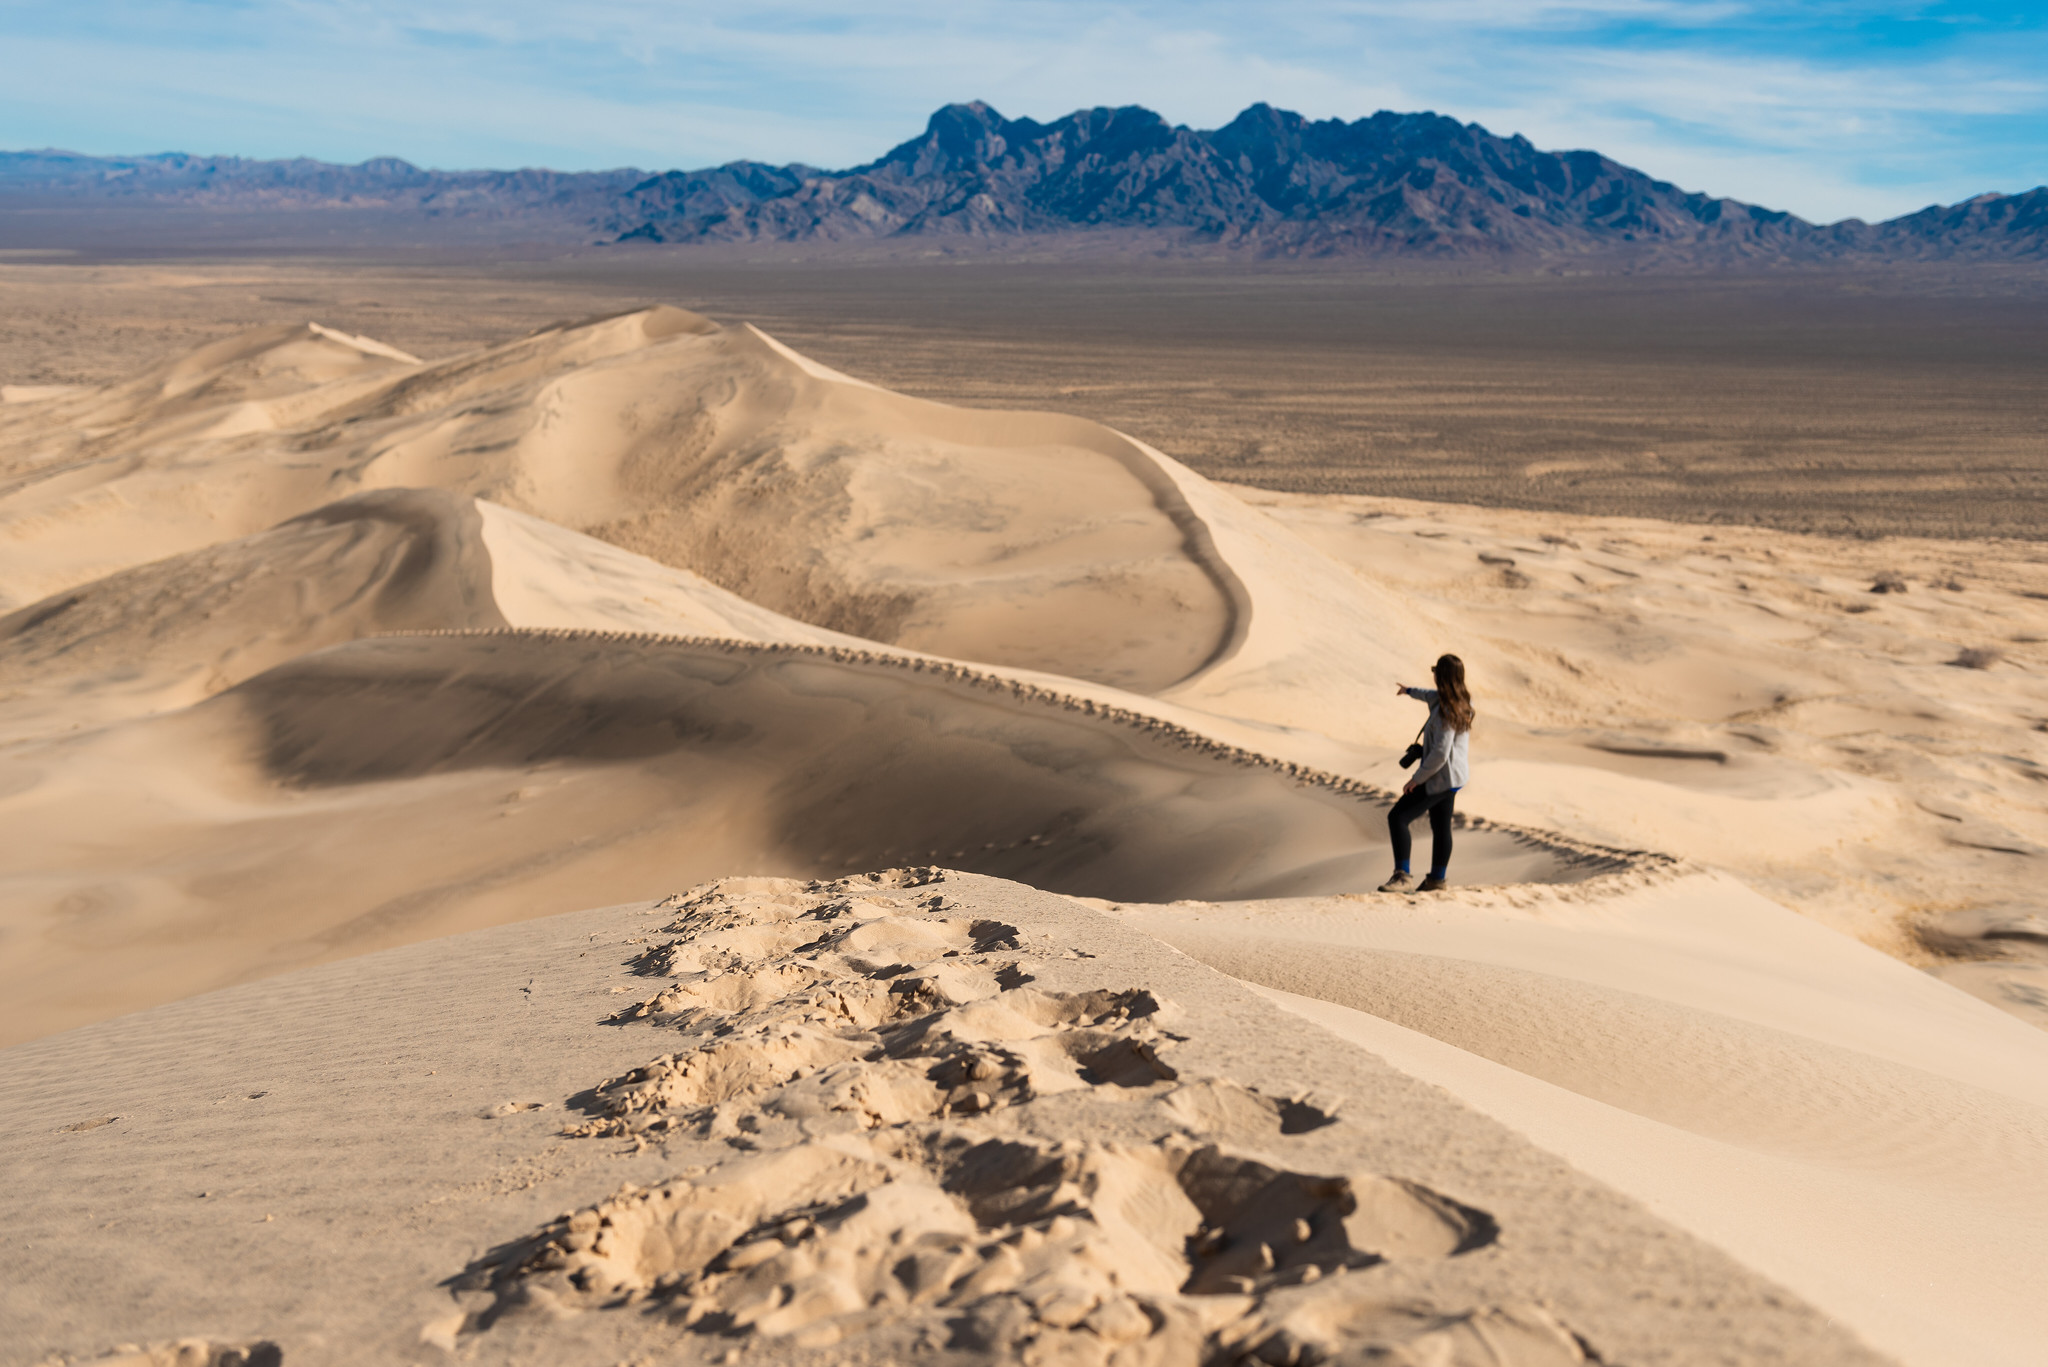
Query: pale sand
[367, 1145]
[318, 650]
[155, 849]
[1801, 1103]
[1878, 761]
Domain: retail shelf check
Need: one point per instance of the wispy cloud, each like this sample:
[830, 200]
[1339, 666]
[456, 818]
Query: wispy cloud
[1826, 107]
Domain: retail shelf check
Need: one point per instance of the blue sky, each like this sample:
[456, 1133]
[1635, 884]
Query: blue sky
[1831, 108]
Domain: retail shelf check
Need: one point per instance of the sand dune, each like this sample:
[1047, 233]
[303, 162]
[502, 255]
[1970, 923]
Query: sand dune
[1801, 1103]
[548, 576]
[1025, 539]
[1875, 759]
[1022, 539]
[314, 649]
[1831, 1236]
[398, 788]
[179, 630]
[916, 1109]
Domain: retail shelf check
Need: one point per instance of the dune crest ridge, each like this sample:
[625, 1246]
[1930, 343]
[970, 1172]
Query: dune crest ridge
[1028, 539]
[316, 655]
[852, 541]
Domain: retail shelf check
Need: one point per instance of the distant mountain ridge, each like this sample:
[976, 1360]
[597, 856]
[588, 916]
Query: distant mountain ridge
[574, 197]
[1269, 182]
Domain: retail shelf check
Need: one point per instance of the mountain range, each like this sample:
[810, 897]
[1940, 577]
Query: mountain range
[1269, 182]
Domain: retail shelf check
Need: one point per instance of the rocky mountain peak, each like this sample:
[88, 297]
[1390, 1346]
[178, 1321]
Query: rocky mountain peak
[1269, 181]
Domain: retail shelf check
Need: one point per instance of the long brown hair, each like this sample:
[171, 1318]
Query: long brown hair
[1453, 702]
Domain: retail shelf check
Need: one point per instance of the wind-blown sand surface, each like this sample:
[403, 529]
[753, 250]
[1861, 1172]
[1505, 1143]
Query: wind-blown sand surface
[317, 655]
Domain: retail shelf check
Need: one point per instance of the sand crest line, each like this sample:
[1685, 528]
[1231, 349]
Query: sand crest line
[1151, 468]
[1633, 868]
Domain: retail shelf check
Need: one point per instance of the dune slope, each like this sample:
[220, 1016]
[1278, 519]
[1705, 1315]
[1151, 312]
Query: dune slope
[1790, 1094]
[401, 787]
[1025, 1133]
[315, 649]
[1857, 729]
[181, 629]
[1082, 564]
[1028, 539]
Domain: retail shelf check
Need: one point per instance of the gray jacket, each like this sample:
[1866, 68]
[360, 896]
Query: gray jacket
[1444, 763]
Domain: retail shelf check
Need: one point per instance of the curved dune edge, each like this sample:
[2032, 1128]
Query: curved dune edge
[172, 796]
[173, 632]
[1617, 867]
[1889, 1142]
[1034, 539]
[1310, 631]
[817, 370]
[1171, 486]
[408, 785]
[1259, 568]
[498, 424]
[956, 1126]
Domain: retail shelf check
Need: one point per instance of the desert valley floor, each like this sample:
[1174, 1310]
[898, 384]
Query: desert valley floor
[619, 841]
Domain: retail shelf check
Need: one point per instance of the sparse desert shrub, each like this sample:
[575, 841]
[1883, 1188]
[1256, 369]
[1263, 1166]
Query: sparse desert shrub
[1889, 581]
[1976, 657]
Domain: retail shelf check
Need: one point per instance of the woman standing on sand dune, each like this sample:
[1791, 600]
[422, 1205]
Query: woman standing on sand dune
[1438, 777]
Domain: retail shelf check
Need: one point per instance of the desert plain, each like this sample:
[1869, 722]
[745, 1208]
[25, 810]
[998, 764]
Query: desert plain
[657, 807]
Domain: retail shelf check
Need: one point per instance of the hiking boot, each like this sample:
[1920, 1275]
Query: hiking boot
[1431, 884]
[1400, 882]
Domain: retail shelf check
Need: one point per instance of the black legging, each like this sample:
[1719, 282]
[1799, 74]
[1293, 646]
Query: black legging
[1412, 805]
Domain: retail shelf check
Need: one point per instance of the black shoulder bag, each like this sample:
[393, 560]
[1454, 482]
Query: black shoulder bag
[1414, 753]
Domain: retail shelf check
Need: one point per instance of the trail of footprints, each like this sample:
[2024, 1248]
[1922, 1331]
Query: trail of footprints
[907, 1166]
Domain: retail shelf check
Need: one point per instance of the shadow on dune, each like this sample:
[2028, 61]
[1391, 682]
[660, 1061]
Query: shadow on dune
[844, 763]
[338, 790]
